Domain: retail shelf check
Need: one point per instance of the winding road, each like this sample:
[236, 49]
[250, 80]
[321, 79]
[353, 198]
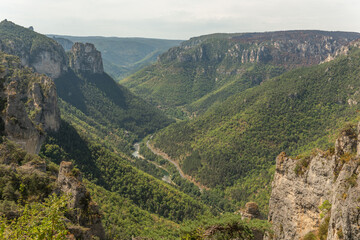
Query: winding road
[182, 174]
[136, 153]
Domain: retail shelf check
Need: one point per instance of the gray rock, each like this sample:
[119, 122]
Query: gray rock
[298, 189]
[31, 106]
[82, 211]
[85, 58]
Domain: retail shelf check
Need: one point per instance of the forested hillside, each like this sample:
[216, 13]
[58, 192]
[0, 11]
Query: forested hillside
[207, 70]
[100, 97]
[233, 146]
[83, 139]
[249, 97]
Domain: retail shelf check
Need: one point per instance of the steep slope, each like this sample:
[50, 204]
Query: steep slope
[318, 195]
[122, 56]
[233, 145]
[35, 50]
[208, 69]
[28, 104]
[80, 80]
[27, 180]
[145, 195]
[97, 95]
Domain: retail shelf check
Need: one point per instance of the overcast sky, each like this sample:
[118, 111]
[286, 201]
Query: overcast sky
[179, 19]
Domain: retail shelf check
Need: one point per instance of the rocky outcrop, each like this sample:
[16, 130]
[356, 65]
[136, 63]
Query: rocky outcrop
[250, 211]
[303, 187]
[37, 51]
[287, 48]
[85, 58]
[29, 104]
[84, 213]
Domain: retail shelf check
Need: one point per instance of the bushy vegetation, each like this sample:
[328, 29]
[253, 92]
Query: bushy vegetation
[215, 198]
[23, 185]
[227, 226]
[241, 137]
[122, 219]
[37, 221]
[325, 214]
[197, 85]
[115, 174]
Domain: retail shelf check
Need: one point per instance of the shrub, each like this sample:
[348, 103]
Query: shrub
[310, 236]
[301, 166]
[340, 234]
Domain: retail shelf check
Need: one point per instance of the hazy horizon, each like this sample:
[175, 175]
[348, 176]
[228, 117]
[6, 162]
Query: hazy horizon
[169, 19]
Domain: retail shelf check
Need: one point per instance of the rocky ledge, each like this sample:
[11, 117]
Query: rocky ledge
[318, 195]
[83, 213]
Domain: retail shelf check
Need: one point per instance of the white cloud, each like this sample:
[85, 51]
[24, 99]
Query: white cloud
[180, 19]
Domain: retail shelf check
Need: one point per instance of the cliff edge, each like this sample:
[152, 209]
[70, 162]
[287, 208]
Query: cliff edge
[318, 196]
[28, 106]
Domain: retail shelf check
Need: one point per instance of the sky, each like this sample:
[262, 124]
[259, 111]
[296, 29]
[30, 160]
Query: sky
[179, 19]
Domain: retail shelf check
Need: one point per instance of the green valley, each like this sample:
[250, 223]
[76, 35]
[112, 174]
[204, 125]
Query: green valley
[221, 107]
[233, 145]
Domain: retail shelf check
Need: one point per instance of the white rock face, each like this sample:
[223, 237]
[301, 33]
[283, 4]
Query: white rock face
[49, 63]
[299, 189]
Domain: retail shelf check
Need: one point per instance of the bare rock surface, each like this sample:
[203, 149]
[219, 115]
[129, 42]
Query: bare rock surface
[29, 104]
[300, 186]
[84, 213]
[85, 58]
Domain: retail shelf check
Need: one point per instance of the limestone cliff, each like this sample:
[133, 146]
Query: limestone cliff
[286, 48]
[37, 51]
[85, 58]
[84, 213]
[28, 104]
[319, 194]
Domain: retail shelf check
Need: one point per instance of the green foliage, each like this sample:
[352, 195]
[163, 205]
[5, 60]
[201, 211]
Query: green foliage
[122, 219]
[243, 136]
[197, 85]
[100, 98]
[310, 236]
[323, 228]
[37, 221]
[340, 234]
[227, 226]
[302, 165]
[115, 174]
[325, 207]
[22, 184]
[213, 197]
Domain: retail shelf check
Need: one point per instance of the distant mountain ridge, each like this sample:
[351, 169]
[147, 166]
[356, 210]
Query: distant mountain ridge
[208, 69]
[122, 56]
